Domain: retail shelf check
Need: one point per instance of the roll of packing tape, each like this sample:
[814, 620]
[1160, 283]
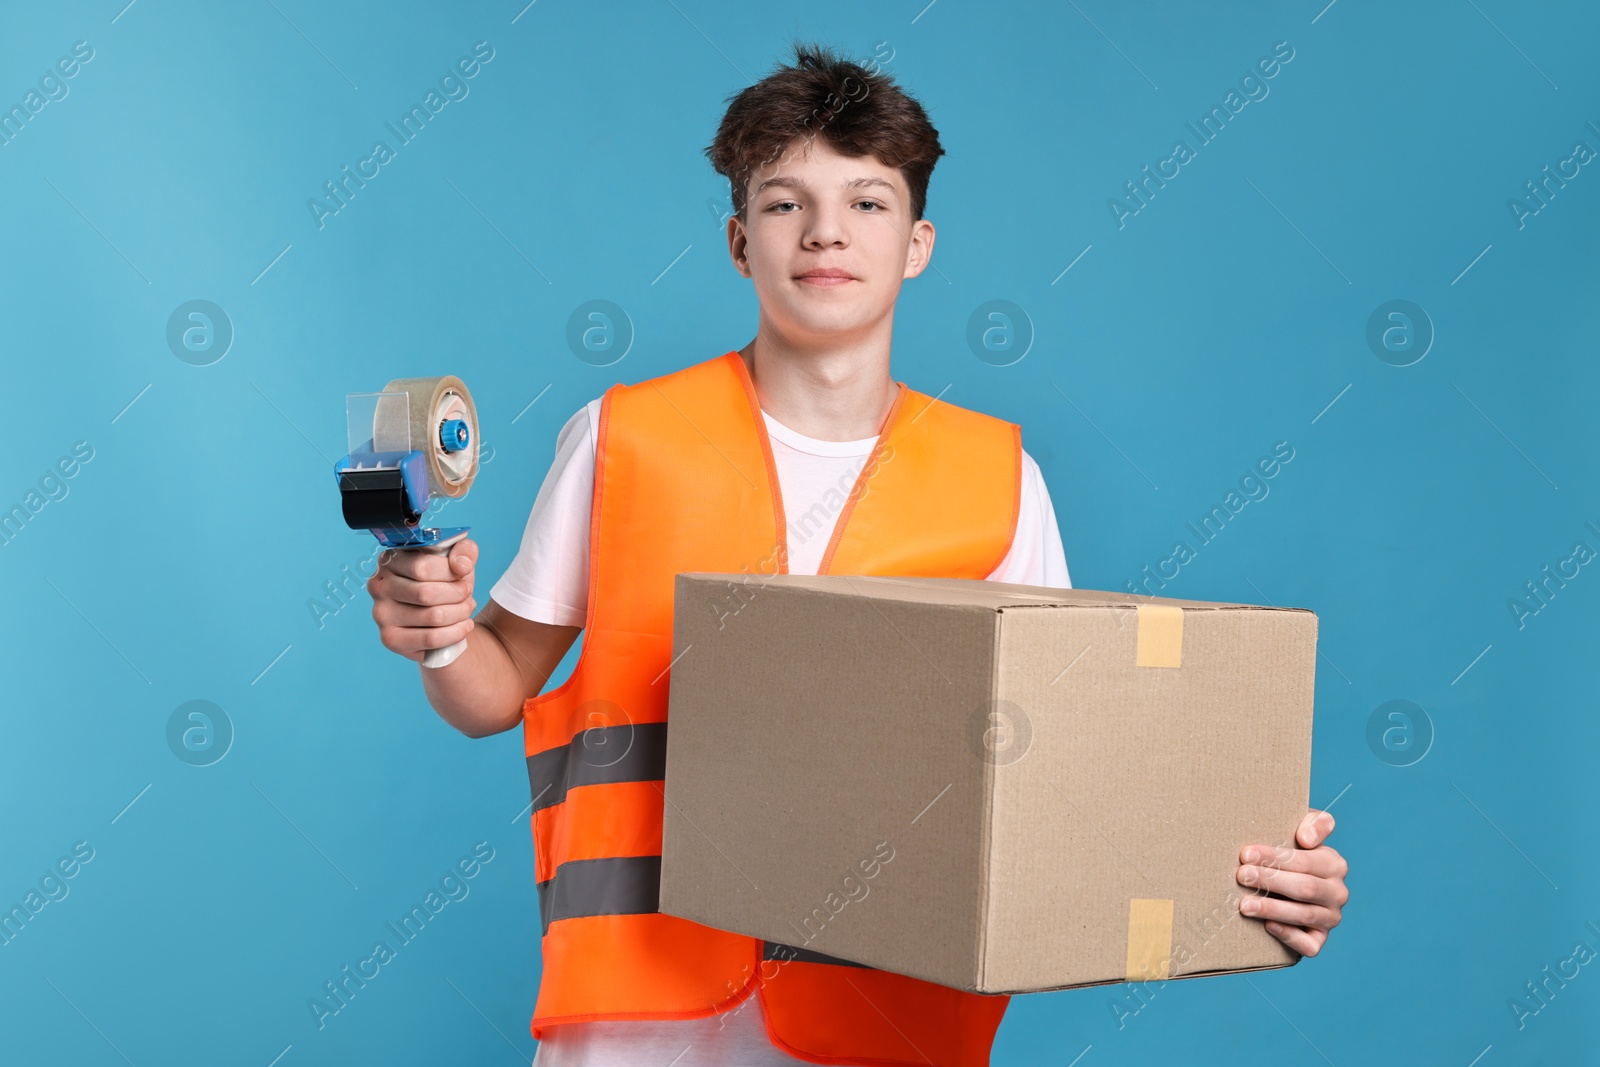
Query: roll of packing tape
[430, 403]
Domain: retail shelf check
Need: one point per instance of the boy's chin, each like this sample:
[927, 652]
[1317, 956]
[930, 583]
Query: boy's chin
[822, 330]
[811, 320]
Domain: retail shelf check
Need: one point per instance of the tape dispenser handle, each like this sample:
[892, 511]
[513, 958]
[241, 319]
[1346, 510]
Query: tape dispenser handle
[442, 657]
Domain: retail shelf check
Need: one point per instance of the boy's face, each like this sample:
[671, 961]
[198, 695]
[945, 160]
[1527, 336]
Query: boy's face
[815, 210]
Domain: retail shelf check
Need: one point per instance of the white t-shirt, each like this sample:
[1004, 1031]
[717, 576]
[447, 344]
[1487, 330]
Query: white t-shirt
[548, 581]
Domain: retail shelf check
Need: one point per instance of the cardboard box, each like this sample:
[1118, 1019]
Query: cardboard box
[1001, 788]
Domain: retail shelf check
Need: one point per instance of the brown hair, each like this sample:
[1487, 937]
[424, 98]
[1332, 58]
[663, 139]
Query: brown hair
[860, 111]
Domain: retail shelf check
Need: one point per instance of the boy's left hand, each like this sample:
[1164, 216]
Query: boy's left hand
[1311, 877]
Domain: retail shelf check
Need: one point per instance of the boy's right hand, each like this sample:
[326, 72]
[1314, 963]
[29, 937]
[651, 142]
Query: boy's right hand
[423, 600]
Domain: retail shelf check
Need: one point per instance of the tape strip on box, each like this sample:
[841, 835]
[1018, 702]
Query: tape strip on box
[1149, 939]
[1160, 637]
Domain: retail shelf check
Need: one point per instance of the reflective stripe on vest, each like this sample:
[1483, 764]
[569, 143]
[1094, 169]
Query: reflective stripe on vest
[684, 481]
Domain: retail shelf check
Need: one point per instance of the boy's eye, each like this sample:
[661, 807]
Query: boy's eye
[778, 208]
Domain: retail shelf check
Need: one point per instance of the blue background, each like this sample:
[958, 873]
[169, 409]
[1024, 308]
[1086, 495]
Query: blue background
[1229, 314]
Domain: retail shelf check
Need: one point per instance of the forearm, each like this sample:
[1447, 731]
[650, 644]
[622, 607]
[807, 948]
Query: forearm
[481, 693]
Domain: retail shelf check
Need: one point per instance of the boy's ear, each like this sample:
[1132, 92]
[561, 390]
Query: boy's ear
[737, 240]
[920, 250]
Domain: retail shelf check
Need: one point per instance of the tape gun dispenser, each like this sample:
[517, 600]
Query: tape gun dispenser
[412, 443]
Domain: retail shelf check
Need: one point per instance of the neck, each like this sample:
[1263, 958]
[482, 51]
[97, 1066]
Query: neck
[835, 391]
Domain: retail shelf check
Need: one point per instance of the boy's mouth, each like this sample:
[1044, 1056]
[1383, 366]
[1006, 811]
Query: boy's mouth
[826, 276]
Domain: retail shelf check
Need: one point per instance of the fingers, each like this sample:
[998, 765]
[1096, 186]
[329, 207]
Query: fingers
[1289, 912]
[1311, 877]
[1324, 862]
[423, 594]
[1305, 942]
[1309, 888]
[463, 556]
[412, 641]
[389, 612]
[430, 566]
[1314, 828]
[425, 578]
[423, 600]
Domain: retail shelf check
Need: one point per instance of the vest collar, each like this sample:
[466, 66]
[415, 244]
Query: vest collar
[890, 422]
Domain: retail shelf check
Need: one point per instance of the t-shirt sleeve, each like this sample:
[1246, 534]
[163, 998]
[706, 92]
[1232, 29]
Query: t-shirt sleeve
[548, 579]
[1036, 556]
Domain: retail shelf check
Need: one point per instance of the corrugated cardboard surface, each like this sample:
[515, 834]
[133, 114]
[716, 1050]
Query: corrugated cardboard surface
[814, 728]
[1142, 783]
[1028, 781]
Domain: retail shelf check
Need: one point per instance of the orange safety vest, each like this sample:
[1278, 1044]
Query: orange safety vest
[684, 481]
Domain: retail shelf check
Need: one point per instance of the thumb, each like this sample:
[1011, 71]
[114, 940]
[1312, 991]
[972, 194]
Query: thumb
[463, 555]
[1314, 828]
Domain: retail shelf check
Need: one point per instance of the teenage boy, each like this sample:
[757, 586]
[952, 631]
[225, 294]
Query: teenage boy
[797, 453]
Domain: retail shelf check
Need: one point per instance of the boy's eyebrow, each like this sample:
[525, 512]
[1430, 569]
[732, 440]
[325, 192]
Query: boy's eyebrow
[784, 181]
